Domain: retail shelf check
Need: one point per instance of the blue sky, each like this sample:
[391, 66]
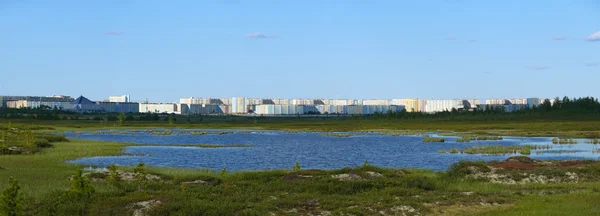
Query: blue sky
[164, 50]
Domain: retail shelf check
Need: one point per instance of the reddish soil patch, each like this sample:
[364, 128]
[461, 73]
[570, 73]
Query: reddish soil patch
[514, 165]
[524, 163]
[571, 163]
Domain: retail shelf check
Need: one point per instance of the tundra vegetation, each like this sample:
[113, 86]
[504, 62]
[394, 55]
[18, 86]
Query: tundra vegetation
[499, 149]
[518, 185]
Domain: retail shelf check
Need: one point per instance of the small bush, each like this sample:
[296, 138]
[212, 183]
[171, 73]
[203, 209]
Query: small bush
[42, 143]
[140, 176]
[520, 159]
[80, 186]
[53, 138]
[114, 178]
[97, 175]
[433, 140]
[420, 182]
[296, 167]
[464, 168]
[11, 199]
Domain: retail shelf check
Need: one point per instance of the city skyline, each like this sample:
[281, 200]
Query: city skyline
[292, 49]
[266, 106]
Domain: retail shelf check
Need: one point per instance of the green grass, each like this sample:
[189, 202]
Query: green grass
[501, 149]
[579, 203]
[46, 171]
[501, 127]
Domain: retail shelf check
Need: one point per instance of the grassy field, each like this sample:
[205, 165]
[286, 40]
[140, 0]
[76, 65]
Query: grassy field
[47, 170]
[516, 127]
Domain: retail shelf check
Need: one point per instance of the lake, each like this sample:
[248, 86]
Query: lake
[281, 150]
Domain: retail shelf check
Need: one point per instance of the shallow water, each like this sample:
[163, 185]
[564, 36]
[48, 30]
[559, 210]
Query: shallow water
[281, 150]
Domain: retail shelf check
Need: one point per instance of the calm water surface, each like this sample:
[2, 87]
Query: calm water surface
[280, 150]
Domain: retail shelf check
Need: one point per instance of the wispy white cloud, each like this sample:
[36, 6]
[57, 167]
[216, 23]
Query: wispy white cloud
[538, 67]
[258, 35]
[594, 37]
[559, 37]
[451, 38]
[591, 64]
[113, 33]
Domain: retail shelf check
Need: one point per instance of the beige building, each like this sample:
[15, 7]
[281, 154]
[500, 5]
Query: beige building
[411, 104]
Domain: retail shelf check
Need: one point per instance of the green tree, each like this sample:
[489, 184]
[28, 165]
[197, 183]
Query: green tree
[80, 186]
[114, 179]
[3, 141]
[366, 164]
[171, 119]
[121, 119]
[297, 167]
[11, 199]
[28, 138]
[224, 172]
[140, 175]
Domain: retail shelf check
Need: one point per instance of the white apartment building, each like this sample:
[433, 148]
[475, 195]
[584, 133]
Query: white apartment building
[122, 98]
[160, 108]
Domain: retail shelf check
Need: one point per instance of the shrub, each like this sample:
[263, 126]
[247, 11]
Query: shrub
[454, 150]
[224, 172]
[114, 178]
[464, 168]
[53, 137]
[80, 186]
[520, 159]
[42, 143]
[296, 167]
[11, 199]
[366, 164]
[420, 182]
[525, 150]
[97, 175]
[140, 175]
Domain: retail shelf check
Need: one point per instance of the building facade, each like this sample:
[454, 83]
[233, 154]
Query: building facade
[168, 108]
[411, 104]
[119, 107]
[121, 99]
[505, 101]
[534, 102]
[238, 105]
